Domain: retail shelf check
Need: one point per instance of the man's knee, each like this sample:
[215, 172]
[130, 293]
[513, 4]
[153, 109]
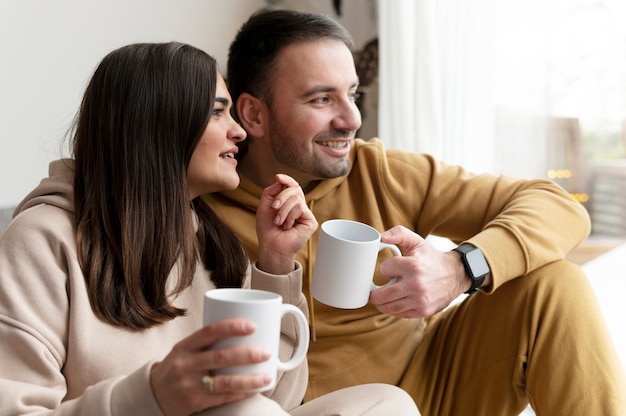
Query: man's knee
[560, 277]
[560, 287]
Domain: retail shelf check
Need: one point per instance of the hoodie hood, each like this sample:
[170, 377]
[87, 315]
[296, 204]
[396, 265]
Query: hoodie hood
[57, 189]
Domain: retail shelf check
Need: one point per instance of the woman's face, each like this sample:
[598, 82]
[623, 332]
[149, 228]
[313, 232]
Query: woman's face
[213, 166]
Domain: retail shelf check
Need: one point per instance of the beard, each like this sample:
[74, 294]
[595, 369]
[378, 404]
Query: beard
[291, 151]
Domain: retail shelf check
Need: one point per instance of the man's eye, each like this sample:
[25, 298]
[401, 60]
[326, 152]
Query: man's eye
[355, 96]
[321, 100]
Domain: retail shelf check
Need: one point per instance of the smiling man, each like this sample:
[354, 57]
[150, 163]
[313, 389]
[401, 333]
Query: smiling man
[531, 331]
[308, 129]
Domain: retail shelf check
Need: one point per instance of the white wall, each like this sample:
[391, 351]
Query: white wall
[360, 17]
[49, 49]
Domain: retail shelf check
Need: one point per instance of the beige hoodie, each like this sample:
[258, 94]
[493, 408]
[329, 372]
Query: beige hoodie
[56, 356]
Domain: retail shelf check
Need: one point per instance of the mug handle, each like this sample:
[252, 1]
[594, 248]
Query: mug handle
[397, 252]
[303, 338]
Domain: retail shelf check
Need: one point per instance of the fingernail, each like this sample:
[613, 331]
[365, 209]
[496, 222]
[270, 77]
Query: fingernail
[249, 326]
[265, 354]
[276, 203]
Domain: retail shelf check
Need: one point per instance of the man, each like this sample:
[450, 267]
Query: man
[532, 332]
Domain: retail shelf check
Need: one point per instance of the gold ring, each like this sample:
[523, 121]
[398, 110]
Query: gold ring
[208, 383]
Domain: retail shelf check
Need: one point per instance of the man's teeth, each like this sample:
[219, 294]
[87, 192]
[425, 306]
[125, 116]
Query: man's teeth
[335, 145]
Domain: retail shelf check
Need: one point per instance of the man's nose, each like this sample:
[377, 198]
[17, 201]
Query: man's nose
[348, 117]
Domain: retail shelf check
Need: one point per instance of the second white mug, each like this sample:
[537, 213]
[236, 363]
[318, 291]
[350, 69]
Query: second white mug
[344, 266]
[266, 310]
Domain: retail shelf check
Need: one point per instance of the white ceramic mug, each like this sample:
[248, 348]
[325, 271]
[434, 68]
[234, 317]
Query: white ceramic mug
[266, 310]
[345, 263]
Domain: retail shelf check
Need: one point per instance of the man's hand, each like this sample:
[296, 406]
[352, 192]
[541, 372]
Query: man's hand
[428, 279]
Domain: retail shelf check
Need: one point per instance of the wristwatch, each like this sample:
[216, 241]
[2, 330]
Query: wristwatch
[476, 266]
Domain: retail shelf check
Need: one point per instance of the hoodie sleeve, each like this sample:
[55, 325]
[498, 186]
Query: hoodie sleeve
[47, 327]
[290, 385]
[520, 224]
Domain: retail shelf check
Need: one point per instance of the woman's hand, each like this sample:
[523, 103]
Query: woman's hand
[177, 381]
[284, 223]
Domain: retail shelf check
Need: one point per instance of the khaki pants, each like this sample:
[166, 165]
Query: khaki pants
[539, 339]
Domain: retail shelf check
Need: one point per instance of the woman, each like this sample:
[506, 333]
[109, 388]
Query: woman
[105, 263]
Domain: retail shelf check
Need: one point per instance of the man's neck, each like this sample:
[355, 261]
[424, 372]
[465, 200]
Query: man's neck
[261, 171]
[261, 175]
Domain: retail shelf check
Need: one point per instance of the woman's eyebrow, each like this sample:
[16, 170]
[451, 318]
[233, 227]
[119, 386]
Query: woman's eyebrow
[222, 100]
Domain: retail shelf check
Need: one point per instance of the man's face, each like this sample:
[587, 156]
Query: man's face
[313, 116]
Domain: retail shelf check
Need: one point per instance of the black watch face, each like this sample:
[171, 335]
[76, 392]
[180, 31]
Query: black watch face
[477, 263]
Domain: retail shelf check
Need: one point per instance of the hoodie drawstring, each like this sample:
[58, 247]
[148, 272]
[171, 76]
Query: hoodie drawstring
[310, 279]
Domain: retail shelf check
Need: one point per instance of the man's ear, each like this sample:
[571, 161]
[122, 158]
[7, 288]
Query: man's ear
[252, 114]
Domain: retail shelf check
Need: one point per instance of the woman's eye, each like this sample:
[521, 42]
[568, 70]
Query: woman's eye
[218, 111]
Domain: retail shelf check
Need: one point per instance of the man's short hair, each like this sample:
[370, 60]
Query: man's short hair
[253, 53]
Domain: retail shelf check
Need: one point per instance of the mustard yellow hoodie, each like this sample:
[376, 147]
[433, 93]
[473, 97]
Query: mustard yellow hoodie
[56, 356]
[520, 225]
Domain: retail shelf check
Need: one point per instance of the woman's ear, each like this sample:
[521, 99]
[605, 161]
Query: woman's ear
[252, 114]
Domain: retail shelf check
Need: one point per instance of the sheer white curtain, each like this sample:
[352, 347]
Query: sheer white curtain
[465, 80]
[435, 92]
[475, 82]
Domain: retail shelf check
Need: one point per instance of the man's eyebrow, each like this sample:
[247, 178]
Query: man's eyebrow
[318, 89]
[324, 88]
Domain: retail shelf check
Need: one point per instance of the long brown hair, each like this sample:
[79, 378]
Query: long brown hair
[141, 117]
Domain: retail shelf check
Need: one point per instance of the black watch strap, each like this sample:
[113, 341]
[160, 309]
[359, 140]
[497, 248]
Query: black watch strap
[475, 264]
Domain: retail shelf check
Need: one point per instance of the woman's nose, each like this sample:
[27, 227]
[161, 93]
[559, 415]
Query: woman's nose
[236, 132]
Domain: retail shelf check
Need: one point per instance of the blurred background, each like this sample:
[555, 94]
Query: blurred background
[530, 89]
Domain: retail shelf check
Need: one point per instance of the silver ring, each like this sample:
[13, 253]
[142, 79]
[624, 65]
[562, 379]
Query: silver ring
[208, 383]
